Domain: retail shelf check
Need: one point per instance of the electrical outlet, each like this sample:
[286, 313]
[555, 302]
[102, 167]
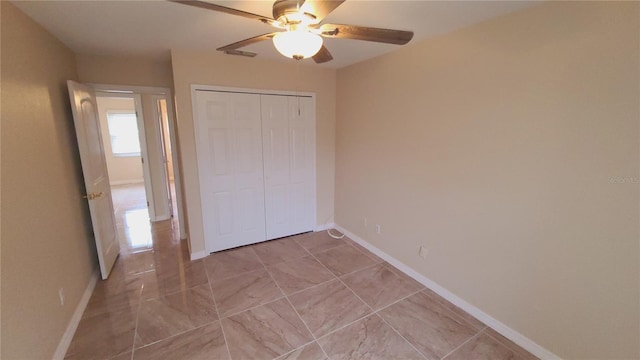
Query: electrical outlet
[423, 252]
[61, 296]
[378, 229]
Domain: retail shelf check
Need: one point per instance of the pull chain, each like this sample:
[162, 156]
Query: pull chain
[298, 84]
[298, 68]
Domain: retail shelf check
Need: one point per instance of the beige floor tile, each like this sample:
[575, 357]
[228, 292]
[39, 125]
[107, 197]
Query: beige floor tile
[402, 275]
[173, 314]
[318, 241]
[206, 342]
[378, 286]
[310, 351]
[363, 250]
[276, 251]
[168, 263]
[229, 263]
[328, 306]
[429, 326]
[510, 344]
[103, 336]
[152, 286]
[477, 324]
[484, 347]
[188, 275]
[100, 303]
[344, 260]
[125, 356]
[155, 263]
[166, 245]
[265, 332]
[299, 274]
[119, 282]
[138, 263]
[245, 291]
[368, 338]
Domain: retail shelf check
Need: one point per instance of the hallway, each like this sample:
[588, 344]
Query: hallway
[132, 218]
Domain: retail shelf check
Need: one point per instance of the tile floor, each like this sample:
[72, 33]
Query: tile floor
[303, 297]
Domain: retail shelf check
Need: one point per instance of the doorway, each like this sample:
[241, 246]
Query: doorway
[156, 119]
[164, 127]
[125, 150]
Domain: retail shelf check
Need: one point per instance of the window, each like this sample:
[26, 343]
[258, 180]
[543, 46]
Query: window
[123, 131]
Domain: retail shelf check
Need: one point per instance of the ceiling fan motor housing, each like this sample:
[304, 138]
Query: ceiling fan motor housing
[286, 11]
[301, 21]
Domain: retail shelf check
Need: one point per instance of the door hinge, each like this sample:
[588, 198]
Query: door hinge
[142, 159]
[147, 204]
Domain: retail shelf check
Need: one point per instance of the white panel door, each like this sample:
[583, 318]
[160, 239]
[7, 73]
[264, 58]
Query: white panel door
[302, 164]
[96, 178]
[229, 149]
[275, 142]
[288, 150]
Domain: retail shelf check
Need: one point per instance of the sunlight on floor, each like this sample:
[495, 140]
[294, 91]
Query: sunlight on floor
[138, 229]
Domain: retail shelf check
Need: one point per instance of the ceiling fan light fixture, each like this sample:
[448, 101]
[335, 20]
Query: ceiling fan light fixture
[298, 44]
[302, 21]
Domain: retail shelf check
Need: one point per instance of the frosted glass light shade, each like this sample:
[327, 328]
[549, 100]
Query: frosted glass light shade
[297, 43]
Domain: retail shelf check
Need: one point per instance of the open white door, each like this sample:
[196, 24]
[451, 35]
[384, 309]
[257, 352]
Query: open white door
[96, 178]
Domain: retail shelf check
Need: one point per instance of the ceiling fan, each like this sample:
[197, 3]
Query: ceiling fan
[301, 22]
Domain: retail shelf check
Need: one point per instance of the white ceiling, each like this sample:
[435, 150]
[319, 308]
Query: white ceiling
[153, 27]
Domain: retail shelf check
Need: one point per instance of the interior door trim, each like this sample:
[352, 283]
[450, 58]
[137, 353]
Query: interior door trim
[114, 90]
[199, 87]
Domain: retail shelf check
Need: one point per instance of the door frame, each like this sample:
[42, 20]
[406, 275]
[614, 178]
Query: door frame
[144, 150]
[152, 90]
[172, 143]
[294, 93]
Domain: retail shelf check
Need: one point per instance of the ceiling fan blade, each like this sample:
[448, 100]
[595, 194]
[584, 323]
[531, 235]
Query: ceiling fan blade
[322, 56]
[320, 8]
[224, 9]
[246, 42]
[387, 36]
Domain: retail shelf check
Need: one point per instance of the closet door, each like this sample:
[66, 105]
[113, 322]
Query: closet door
[229, 150]
[302, 164]
[289, 159]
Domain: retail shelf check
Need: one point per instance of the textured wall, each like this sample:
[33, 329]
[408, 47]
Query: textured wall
[509, 149]
[123, 70]
[47, 242]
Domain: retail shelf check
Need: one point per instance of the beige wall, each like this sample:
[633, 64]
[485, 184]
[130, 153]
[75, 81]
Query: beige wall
[46, 236]
[127, 169]
[124, 70]
[233, 71]
[509, 149]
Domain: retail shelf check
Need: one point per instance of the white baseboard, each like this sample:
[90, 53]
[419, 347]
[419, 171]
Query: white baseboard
[496, 325]
[324, 227]
[126, 182]
[64, 343]
[199, 255]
